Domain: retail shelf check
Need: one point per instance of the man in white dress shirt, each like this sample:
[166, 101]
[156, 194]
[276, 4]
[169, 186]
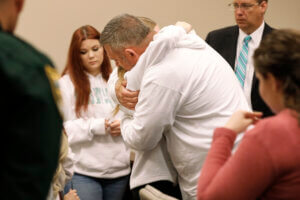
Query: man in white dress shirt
[184, 94]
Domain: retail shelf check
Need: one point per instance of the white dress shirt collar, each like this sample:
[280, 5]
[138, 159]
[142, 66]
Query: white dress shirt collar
[255, 36]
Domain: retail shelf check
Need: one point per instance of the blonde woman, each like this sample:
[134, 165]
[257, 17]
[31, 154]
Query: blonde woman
[63, 174]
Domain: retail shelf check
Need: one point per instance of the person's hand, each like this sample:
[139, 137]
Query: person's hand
[126, 97]
[240, 120]
[115, 128]
[106, 124]
[187, 27]
[71, 195]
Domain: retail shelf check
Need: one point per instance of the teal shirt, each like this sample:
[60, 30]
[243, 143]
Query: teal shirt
[31, 123]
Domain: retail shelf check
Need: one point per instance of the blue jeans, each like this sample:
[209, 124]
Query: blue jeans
[90, 188]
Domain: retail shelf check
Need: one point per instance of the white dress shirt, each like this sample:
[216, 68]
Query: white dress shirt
[184, 96]
[148, 166]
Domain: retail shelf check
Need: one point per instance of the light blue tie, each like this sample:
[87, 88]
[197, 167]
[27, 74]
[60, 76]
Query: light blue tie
[240, 69]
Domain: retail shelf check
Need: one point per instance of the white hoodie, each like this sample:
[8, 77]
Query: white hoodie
[96, 153]
[184, 95]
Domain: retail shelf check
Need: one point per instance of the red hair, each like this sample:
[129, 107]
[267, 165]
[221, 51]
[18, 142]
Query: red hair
[76, 70]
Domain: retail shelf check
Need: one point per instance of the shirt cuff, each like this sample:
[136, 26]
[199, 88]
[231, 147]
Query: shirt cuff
[97, 126]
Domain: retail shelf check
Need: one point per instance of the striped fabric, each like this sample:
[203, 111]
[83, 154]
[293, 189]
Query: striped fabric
[240, 69]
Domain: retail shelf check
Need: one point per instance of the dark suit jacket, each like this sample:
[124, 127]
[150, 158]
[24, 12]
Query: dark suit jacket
[224, 41]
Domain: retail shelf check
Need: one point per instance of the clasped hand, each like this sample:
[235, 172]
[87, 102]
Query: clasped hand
[240, 120]
[113, 128]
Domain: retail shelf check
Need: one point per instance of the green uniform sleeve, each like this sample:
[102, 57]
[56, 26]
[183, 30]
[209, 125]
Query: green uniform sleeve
[31, 121]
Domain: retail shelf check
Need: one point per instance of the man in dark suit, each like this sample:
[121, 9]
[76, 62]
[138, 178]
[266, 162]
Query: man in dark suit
[249, 16]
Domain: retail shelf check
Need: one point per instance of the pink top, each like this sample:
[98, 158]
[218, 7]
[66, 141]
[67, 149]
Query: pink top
[266, 164]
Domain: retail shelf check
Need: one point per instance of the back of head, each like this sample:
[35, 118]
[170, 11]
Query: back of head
[9, 14]
[2, 3]
[123, 31]
[279, 55]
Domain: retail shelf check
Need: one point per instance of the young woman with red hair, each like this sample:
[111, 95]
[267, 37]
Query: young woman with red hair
[101, 161]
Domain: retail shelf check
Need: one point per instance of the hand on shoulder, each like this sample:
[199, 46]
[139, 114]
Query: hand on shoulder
[187, 27]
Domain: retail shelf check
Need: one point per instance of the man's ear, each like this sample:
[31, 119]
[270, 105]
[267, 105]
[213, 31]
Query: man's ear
[131, 54]
[264, 6]
[19, 5]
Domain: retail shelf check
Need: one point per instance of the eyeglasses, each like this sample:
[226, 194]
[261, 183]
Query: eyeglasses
[242, 6]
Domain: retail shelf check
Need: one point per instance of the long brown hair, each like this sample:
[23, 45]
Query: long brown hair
[76, 70]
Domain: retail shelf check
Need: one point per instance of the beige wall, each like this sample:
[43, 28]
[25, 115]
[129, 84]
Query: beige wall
[49, 24]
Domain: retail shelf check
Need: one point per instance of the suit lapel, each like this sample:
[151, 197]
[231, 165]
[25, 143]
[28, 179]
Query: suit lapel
[267, 30]
[232, 38]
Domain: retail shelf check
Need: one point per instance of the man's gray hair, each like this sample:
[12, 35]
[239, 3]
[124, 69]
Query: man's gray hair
[124, 30]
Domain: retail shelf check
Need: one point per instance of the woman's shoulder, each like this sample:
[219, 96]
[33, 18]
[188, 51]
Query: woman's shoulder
[283, 119]
[276, 127]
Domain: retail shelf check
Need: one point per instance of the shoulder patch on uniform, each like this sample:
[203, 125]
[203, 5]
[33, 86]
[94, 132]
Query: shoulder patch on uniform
[53, 78]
